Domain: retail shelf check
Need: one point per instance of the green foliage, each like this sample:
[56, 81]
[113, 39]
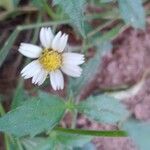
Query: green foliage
[34, 116]
[38, 3]
[89, 146]
[63, 140]
[16, 2]
[38, 143]
[9, 5]
[104, 38]
[103, 108]
[71, 139]
[13, 143]
[74, 9]
[139, 132]
[1, 98]
[7, 46]
[87, 75]
[106, 1]
[19, 96]
[132, 12]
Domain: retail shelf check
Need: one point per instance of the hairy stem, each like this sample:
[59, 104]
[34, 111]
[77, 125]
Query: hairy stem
[6, 138]
[117, 133]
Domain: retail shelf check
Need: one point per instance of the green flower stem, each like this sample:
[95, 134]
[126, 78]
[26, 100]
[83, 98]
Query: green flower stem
[99, 28]
[40, 24]
[6, 142]
[74, 114]
[36, 30]
[74, 119]
[52, 23]
[49, 10]
[2, 111]
[6, 137]
[19, 144]
[117, 133]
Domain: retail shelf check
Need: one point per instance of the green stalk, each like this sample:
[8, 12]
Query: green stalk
[117, 133]
[6, 142]
[99, 28]
[49, 10]
[52, 23]
[74, 119]
[74, 114]
[40, 24]
[19, 145]
[2, 112]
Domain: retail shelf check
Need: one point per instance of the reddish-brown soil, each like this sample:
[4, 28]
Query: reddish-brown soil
[126, 65]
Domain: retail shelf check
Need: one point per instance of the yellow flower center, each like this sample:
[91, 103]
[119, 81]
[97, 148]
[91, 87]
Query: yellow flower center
[50, 60]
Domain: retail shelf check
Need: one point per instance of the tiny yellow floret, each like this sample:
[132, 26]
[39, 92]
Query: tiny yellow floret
[50, 60]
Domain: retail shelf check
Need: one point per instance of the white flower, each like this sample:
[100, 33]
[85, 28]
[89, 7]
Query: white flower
[50, 59]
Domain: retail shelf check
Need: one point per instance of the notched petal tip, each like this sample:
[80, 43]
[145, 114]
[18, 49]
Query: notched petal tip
[56, 41]
[60, 41]
[57, 80]
[73, 58]
[72, 70]
[46, 37]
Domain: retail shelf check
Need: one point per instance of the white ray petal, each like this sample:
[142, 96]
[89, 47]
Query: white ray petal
[73, 58]
[35, 77]
[30, 50]
[56, 41]
[72, 70]
[46, 37]
[40, 77]
[57, 80]
[63, 42]
[31, 69]
[43, 77]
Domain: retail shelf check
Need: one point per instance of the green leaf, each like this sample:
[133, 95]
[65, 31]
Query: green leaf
[13, 143]
[16, 2]
[56, 138]
[74, 9]
[77, 84]
[34, 116]
[68, 139]
[38, 143]
[106, 1]
[103, 108]
[87, 146]
[2, 97]
[19, 96]
[107, 36]
[7, 46]
[132, 12]
[7, 4]
[38, 3]
[139, 132]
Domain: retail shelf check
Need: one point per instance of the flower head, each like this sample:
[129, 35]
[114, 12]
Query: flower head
[51, 59]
